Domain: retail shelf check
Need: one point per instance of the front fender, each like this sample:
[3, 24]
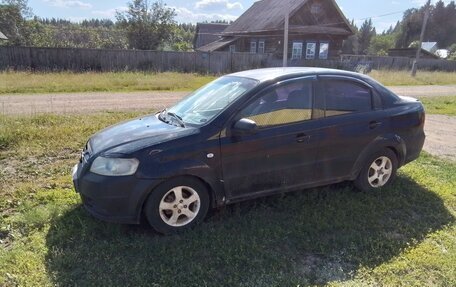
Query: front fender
[190, 167]
[393, 141]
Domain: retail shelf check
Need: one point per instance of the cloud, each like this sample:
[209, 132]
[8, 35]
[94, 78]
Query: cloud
[184, 15]
[218, 4]
[69, 4]
[110, 13]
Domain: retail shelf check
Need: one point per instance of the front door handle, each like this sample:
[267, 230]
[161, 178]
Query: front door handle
[301, 138]
[374, 124]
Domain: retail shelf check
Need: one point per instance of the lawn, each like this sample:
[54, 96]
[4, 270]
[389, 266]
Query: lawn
[403, 235]
[403, 78]
[440, 105]
[67, 82]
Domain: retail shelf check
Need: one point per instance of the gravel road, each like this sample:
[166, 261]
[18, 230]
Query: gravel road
[440, 130]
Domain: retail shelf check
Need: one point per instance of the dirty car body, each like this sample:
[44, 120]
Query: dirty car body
[249, 134]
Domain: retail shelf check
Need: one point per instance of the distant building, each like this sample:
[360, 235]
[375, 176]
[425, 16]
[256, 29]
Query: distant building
[442, 53]
[207, 33]
[431, 47]
[317, 30]
[411, 53]
[2, 36]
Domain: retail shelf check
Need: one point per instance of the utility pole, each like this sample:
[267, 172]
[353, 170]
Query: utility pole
[285, 38]
[423, 30]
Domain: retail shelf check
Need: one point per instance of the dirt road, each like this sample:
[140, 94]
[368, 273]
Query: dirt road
[440, 130]
[92, 102]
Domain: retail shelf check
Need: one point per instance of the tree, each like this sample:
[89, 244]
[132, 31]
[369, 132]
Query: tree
[21, 5]
[351, 44]
[380, 44]
[148, 26]
[366, 32]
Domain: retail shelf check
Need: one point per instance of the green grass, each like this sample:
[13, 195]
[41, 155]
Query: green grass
[440, 105]
[403, 235]
[403, 78]
[67, 82]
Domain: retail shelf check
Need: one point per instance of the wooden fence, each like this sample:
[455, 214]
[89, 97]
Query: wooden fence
[67, 59]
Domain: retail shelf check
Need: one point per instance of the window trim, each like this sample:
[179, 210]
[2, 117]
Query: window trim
[264, 46]
[253, 45]
[299, 56]
[322, 78]
[319, 50]
[315, 50]
[236, 115]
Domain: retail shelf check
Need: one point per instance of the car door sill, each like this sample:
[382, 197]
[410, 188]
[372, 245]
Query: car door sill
[269, 192]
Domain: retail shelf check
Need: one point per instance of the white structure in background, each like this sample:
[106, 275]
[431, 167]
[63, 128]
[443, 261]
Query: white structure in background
[2, 36]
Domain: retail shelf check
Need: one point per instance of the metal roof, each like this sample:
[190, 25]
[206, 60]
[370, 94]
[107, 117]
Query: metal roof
[2, 36]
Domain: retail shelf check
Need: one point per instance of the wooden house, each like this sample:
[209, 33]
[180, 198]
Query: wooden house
[317, 29]
[207, 33]
[411, 53]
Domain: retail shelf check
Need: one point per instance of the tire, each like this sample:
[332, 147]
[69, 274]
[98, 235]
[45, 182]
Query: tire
[378, 171]
[177, 205]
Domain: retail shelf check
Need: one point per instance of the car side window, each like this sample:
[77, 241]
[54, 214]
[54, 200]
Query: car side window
[285, 104]
[344, 97]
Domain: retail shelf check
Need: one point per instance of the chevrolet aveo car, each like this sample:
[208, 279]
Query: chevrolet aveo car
[246, 135]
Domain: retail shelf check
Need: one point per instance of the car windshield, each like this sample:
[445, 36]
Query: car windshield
[204, 104]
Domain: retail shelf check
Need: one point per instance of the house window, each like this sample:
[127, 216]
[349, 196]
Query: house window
[232, 48]
[324, 50]
[296, 53]
[261, 47]
[310, 50]
[253, 47]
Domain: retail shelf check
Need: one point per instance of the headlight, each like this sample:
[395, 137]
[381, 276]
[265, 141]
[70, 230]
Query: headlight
[114, 166]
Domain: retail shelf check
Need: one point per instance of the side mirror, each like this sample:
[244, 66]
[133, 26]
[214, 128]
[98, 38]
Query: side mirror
[244, 127]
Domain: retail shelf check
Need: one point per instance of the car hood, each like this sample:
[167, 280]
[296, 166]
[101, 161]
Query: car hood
[142, 132]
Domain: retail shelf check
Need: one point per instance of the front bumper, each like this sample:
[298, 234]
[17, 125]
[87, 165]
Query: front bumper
[113, 199]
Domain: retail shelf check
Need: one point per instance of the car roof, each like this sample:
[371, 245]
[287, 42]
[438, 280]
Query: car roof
[268, 74]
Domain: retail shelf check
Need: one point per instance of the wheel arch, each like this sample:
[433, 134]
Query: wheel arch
[391, 141]
[215, 198]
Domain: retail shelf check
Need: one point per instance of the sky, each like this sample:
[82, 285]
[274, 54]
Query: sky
[384, 13]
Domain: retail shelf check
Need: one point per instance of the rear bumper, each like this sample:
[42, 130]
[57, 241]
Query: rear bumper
[113, 199]
[414, 147]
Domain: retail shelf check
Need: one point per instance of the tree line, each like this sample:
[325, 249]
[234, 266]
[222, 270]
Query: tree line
[441, 28]
[145, 25]
[148, 25]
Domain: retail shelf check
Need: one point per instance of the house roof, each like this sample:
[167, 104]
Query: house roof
[216, 45]
[207, 33]
[2, 36]
[269, 15]
[429, 46]
[410, 52]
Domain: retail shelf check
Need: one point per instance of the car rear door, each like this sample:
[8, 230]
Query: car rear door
[282, 151]
[352, 117]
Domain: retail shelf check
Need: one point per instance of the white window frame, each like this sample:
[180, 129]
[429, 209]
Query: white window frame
[323, 56]
[253, 47]
[261, 47]
[310, 54]
[296, 52]
[233, 48]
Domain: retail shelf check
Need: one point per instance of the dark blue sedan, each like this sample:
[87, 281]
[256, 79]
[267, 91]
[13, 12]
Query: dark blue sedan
[247, 135]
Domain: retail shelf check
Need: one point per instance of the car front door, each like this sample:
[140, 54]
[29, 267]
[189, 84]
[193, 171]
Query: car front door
[352, 118]
[281, 151]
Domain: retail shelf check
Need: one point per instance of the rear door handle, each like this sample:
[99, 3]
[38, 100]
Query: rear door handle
[301, 138]
[374, 124]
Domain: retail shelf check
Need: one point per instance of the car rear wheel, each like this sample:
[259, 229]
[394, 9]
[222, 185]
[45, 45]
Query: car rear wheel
[177, 205]
[378, 171]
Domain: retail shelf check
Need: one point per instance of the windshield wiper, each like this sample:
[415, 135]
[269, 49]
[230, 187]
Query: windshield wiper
[178, 118]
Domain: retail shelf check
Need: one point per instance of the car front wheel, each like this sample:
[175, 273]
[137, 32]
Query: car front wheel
[177, 205]
[378, 171]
